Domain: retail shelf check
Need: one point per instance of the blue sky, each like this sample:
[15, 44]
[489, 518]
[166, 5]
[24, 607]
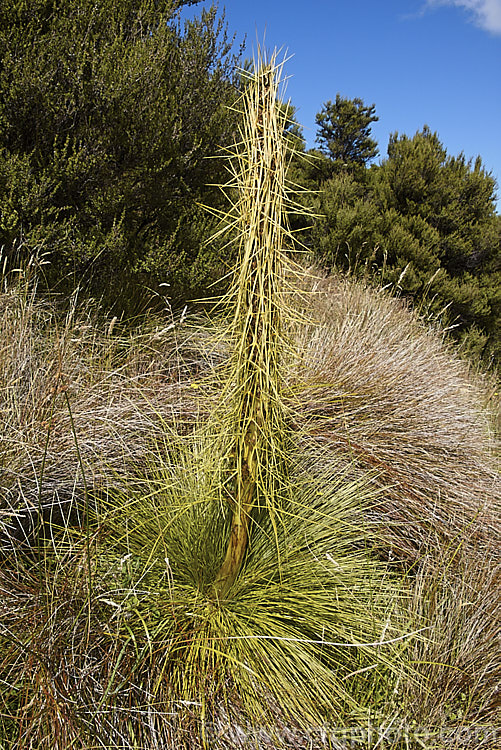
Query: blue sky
[434, 62]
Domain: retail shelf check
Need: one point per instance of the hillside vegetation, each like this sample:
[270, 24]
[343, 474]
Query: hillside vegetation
[385, 408]
[401, 457]
[267, 521]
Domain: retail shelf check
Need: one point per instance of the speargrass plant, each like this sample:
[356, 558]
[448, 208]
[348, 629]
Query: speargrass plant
[257, 426]
[249, 577]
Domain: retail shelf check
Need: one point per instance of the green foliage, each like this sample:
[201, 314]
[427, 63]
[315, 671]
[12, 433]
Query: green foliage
[116, 635]
[425, 223]
[306, 612]
[107, 114]
[344, 131]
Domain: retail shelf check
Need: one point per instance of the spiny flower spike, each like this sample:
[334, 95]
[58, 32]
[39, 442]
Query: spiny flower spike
[258, 425]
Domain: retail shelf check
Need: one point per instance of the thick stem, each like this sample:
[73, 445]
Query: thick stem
[239, 534]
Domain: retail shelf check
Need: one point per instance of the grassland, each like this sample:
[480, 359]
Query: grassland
[277, 526]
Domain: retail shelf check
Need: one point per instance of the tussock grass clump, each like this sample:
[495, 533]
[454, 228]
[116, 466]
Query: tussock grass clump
[79, 394]
[385, 393]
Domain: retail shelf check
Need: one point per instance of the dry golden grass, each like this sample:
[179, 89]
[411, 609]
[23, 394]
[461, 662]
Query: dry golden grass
[78, 403]
[363, 355]
[378, 388]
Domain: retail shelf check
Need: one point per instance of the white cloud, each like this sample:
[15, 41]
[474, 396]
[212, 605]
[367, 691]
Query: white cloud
[486, 13]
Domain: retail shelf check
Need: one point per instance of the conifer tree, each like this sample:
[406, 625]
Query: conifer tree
[344, 128]
[425, 223]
